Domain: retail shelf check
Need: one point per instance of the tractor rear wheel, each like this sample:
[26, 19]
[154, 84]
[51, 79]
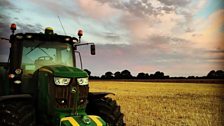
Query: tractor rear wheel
[17, 113]
[107, 109]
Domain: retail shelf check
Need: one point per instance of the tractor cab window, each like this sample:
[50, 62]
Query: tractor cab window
[37, 54]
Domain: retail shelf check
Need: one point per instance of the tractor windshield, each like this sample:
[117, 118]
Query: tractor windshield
[38, 53]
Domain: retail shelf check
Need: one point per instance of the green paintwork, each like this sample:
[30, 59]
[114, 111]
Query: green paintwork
[66, 123]
[4, 82]
[65, 71]
[46, 101]
[43, 96]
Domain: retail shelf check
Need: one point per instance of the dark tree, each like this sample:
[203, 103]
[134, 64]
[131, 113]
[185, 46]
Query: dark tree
[191, 77]
[219, 74]
[159, 75]
[142, 75]
[126, 74]
[166, 77]
[103, 77]
[108, 75]
[211, 74]
[151, 76]
[117, 75]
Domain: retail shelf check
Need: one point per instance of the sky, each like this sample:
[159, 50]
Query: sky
[177, 37]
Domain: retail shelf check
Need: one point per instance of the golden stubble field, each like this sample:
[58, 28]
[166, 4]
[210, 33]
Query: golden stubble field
[167, 104]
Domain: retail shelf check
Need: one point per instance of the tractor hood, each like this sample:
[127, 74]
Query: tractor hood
[64, 71]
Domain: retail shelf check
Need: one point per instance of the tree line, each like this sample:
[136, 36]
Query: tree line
[126, 74]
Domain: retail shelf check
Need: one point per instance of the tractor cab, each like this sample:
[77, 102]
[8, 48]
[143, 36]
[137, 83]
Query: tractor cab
[37, 53]
[30, 51]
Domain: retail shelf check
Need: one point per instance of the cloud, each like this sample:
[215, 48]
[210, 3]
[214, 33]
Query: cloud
[216, 56]
[207, 33]
[26, 28]
[142, 18]
[5, 31]
[167, 41]
[7, 19]
[147, 58]
[139, 35]
[7, 4]
[214, 22]
[138, 8]
[96, 10]
[216, 51]
[159, 37]
[176, 3]
[113, 37]
[4, 18]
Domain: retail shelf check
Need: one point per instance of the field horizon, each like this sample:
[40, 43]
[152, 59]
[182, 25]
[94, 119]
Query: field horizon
[166, 104]
[186, 81]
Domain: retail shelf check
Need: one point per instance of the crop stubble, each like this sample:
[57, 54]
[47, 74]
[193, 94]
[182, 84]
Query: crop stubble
[167, 104]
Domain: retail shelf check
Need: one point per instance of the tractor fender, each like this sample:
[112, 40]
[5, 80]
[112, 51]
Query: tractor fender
[98, 95]
[16, 96]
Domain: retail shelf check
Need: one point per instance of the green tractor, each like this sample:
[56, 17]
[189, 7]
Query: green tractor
[40, 84]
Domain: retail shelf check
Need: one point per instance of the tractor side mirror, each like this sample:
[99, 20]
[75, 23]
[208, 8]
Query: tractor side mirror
[93, 49]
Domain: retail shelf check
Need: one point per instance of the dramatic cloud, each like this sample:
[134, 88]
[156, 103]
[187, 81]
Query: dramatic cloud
[4, 18]
[143, 18]
[4, 29]
[5, 32]
[176, 3]
[139, 35]
[207, 32]
[96, 10]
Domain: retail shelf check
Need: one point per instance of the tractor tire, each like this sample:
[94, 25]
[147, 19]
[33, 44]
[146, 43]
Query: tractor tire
[17, 113]
[107, 109]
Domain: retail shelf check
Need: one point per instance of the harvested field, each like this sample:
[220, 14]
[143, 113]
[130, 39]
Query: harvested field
[167, 104]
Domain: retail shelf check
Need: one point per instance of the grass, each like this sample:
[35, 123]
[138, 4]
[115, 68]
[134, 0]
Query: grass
[167, 104]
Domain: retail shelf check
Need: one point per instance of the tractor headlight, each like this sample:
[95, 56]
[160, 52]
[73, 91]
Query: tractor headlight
[61, 81]
[83, 81]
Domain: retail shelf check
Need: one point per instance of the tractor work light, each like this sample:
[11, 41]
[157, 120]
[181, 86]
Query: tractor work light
[11, 76]
[13, 26]
[17, 81]
[83, 81]
[80, 33]
[61, 81]
[29, 36]
[19, 36]
[18, 71]
[49, 31]
[67, 39]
